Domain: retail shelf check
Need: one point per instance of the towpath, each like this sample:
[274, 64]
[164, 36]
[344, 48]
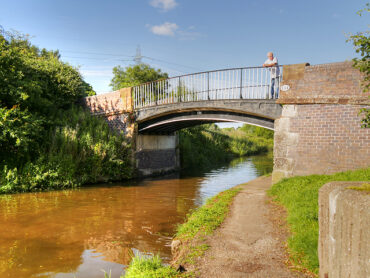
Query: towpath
[250, 243]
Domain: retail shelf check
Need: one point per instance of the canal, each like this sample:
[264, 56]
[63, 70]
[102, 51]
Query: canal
[79, 233]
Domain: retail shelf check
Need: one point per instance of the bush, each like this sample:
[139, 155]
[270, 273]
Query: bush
[81, 149]
[208, 145]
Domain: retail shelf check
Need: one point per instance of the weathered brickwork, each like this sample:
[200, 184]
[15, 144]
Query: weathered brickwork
[116, 107]
[320, 139]
[320, 131]
[105, 104]
[326, 83]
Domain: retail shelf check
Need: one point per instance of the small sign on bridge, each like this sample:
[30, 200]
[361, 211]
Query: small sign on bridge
[285, 88]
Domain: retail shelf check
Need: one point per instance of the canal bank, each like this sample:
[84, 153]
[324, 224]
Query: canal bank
[237, 233]
[250, 242]
[77, 233]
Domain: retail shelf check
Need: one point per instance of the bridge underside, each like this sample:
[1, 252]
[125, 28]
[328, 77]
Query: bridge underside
[170, 123]
[166, 119]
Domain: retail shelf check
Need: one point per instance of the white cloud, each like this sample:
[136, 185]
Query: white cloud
[165, 29]
[164, 5]
[173, 30]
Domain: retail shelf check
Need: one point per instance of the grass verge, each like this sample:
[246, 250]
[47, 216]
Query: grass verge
[201, 223]
[192, 234]
[149, 268]
[299, 195]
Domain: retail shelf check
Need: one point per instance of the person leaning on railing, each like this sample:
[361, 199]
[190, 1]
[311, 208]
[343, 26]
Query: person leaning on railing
[272, 63]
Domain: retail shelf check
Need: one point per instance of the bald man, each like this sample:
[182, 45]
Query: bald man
[272, 63]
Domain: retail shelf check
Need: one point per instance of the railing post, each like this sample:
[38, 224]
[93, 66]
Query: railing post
[241, 83]
[178, 91]
[208, 86]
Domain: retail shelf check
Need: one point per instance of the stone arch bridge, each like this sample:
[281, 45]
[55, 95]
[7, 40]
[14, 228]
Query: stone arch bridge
[315, 119]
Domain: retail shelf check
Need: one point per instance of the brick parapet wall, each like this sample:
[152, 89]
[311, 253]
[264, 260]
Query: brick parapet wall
[327, 83]
[105, 104]
[320, 139]
[116, 107]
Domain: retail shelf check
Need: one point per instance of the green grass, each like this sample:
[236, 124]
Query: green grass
[142, 267]
[204, 220]
[195, 252]
[299, 195]
[362, 187]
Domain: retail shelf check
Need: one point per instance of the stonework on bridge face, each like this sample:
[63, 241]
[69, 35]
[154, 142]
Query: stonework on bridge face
[115, 107]
[320, 131]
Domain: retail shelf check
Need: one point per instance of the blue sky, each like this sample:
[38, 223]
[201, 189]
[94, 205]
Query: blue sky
[183, 36]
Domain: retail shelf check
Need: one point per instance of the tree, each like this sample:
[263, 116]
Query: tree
[34, 85]
[135, 75]
[361, 42]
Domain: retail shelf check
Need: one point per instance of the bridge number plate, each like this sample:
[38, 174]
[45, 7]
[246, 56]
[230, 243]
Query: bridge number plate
[285, 88]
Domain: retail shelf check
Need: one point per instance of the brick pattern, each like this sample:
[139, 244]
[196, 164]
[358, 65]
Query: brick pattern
[114, 107]
[105, 104]
[326, 83]
[329, 139]
[118, 122]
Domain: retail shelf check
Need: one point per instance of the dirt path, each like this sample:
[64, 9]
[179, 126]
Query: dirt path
[248, 244]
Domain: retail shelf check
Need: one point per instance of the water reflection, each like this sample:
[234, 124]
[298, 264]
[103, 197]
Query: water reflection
[76, 233]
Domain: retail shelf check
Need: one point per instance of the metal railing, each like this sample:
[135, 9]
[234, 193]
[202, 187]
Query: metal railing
[235, 83]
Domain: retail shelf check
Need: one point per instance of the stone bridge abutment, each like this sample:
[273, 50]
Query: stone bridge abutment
[319, 131]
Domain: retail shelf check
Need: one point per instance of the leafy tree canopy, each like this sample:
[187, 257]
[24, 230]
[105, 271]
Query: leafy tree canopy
[135, 75]
[34, 85]
[361, 42]
[36, 79]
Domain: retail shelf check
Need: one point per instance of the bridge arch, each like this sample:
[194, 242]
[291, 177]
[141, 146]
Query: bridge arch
[166, 119]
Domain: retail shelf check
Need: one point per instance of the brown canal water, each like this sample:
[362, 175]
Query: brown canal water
[79, 233]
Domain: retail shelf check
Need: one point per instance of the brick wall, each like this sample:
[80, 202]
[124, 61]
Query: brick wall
[326, 83]
[115, 107]
[109, 103]
[320, 131]
[320, 139]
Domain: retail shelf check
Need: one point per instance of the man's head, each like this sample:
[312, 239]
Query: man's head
[270, 55]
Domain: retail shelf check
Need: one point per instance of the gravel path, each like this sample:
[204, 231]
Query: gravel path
[250, 241]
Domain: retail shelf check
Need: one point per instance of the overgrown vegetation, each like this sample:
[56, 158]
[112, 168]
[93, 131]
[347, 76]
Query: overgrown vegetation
[361, 42]
[299, 195]
[80, 149]
[208, 144]
[45, 142]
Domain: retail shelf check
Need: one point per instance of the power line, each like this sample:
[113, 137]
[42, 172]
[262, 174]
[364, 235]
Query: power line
[163, 61]
[100, 59]
[96, 53]
[137, 58]
[167, 68]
